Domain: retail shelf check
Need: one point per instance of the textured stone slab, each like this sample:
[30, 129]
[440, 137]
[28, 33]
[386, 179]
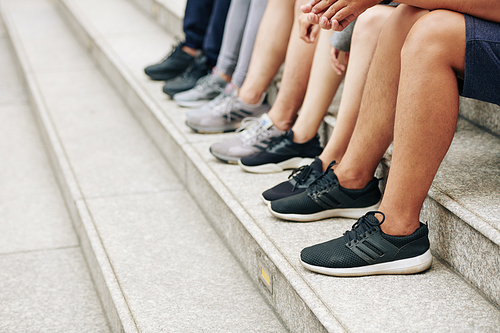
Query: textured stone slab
[32, 212]
[48, 291]
[115, 157]
[174, 270]
[470, 173]
[481, 113]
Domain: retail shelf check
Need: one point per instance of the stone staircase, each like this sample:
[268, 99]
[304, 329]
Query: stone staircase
[133, 190]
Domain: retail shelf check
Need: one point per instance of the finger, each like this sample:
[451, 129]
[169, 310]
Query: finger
[343, 18]
[303, 31]
[314, 32]
[320, 6]
[330, 12]
[308, 6]
[324, 23]
[313, 18]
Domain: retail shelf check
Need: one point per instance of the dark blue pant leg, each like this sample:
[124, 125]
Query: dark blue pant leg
[196, 19]
[215, 30]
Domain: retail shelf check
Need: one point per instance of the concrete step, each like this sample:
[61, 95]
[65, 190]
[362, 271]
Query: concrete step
[168, 13]
[157, 263]
[483, 114]
[45, 285]
[462, 231]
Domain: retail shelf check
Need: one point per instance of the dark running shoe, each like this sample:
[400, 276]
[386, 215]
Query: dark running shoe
[173, 65]
[325, 198]
[367, 250]
[298, 181]
[281, 154]
[188, 79]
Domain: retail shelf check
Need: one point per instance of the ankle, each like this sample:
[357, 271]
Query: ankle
[402, 223]
[278, 122]
[249, 97]
[300, 137]
[189, 50]
[225, 77]
[352, 179]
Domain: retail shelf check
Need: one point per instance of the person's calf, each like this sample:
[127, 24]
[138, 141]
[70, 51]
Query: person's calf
[426, 115]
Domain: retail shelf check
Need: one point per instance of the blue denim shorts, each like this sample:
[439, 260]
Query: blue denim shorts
[482, 60]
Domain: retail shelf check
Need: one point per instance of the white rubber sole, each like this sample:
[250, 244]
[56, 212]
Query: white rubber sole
[404, 266]
[293, 163]
[191, 104]
[225, 158]
[213, 130]
[266, 202]
[351, 213]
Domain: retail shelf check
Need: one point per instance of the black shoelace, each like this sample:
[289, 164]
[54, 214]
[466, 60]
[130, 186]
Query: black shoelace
[300, 175]
[363, 227]
[323, 182]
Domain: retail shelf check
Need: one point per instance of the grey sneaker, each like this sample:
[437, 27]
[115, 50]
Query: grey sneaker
[226, 116]
[205, 108]
[206, 89]
[253, 135]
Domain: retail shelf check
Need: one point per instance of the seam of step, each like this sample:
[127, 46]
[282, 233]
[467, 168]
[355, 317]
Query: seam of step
[168, 139]
[435, 194]
[111, 297]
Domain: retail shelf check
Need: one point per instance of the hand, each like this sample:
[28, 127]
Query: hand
[338, 60]
[307, 31]
[336, 15]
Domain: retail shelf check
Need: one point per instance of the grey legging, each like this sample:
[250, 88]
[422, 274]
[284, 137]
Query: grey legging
[242, 24]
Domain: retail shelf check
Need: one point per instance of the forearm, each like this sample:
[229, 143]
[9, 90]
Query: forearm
[485, 9]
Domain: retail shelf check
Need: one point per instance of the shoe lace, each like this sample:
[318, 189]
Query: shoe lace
[207, 82]
[363, 227]
[224, 108]
[249, 129]
[323, 182]
[252, 130]
[300, 175]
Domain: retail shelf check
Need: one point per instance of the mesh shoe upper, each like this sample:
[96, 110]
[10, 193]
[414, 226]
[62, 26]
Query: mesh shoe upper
[226, 115]
[283, 148]
[366, 244]
[207, 88]
[326, 193]
[174, 64]
[188, 79]
[253, 135]
[298, 181]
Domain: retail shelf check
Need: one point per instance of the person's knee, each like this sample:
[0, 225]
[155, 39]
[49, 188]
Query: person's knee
[400, 22]
[370, 22]
[437, 37]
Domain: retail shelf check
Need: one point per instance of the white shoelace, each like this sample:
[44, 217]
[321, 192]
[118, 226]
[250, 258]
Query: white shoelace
[225, 106]
[252, 130]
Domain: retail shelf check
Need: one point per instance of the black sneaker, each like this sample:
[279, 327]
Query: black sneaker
[325, 198]
[367, 250]
[173, 65]
[298, 181]
[281, 154]
[188, 79]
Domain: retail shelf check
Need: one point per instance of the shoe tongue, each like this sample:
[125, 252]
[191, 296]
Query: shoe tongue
[317, 165]
[371, 218]
[331, 174]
